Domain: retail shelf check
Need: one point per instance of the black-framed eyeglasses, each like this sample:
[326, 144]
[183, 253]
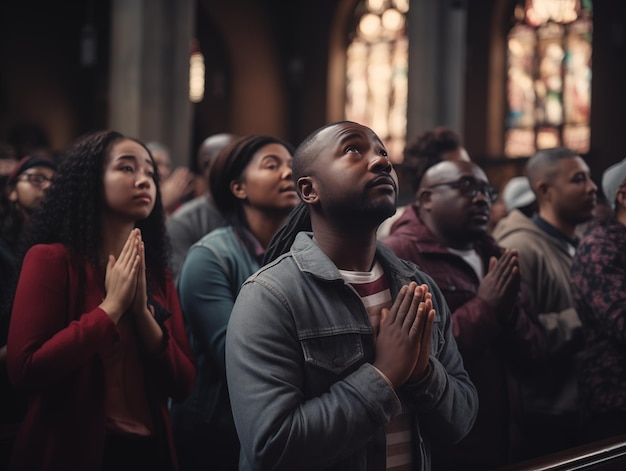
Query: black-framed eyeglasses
[469, 187]
[35, 179]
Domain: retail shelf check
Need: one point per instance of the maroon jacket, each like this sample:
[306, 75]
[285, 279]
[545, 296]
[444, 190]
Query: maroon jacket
[493, 350]
[53, 355]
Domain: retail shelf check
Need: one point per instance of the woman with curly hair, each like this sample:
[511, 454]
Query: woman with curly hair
[96, 340]
[251, 184]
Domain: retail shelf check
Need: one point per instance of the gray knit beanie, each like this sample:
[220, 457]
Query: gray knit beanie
[612, 178]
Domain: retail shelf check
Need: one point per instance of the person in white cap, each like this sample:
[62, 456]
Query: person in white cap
[598, 279]
[518, 194]
[613, 187]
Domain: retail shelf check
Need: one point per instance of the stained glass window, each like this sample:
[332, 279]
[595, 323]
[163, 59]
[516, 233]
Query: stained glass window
[376, 71]
[549, 77]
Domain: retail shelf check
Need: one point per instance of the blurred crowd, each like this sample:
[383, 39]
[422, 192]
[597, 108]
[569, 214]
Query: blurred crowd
[274, 307]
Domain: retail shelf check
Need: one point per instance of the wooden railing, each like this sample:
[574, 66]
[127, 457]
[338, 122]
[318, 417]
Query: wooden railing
[605, 455]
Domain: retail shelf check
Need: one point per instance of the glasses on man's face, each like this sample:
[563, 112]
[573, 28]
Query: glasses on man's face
[469, 187]
[36, 179]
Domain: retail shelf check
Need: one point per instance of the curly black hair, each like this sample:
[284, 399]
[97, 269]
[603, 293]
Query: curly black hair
[426, 150]
[70, 211]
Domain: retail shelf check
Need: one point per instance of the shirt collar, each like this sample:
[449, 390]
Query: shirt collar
[549, 229]
[310, 258]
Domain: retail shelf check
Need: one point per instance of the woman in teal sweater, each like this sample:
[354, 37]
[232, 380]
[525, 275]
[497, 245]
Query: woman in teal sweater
[251, 183]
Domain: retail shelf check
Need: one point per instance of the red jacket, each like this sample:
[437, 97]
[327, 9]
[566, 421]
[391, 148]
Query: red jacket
[53, 356]
[493, 350]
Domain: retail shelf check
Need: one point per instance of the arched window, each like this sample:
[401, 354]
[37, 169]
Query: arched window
[376, 71]
[549, 77]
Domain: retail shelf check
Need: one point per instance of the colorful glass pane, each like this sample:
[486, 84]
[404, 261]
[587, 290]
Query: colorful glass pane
[377, 71]
[549, 77]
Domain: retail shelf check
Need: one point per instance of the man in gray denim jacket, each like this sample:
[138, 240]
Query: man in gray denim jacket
[316, 380]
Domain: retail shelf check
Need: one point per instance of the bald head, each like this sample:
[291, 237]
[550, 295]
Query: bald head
[209, 149]
[451, 170]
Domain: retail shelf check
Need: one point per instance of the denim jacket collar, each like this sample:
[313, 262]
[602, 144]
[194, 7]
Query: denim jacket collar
[311, 259]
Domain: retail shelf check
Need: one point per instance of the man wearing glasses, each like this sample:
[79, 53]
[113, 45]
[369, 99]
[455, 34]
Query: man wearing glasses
[445, 232]
[25, 189]
[28, 183]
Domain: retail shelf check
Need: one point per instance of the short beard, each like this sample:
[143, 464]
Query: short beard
[383, 211]
[367, 216]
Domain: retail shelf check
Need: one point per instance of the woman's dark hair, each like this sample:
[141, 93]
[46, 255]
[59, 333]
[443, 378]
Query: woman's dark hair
[70, 211]
[426, 150]
[229, 165]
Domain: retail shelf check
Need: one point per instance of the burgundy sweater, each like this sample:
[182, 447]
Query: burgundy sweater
[54, 357]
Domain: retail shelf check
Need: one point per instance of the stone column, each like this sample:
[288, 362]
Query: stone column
[149, 72]
[437, 37]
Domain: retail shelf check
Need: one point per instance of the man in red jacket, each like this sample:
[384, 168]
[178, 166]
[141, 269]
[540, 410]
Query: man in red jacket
[445, 232]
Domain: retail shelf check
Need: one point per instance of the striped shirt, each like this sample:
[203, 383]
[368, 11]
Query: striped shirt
[373, 289]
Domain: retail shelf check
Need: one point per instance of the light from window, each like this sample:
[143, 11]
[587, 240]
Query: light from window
[549, 77]
[196, 77]
[376, 72]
